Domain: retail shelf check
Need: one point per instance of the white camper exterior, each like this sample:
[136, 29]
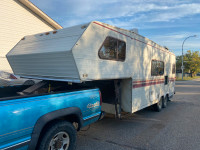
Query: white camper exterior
[98, 51]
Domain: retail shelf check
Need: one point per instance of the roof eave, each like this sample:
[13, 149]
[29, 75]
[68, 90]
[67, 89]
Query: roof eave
[41, 14]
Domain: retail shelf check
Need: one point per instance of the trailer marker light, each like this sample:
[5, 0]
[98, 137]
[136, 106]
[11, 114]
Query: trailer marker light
[47, 33]
[12, 76]
[54, 32]
[83, 27]
[85, 75]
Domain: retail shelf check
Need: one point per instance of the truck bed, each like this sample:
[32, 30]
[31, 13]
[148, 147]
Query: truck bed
[50, 88]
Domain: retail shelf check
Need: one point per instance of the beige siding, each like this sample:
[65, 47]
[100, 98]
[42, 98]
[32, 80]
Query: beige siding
[16, 21]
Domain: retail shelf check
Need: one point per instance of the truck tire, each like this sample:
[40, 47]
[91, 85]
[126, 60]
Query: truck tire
[60, 135]
[158, 106]
[164, 103]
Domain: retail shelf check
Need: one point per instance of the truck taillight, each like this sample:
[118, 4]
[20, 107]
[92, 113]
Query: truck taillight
[12, 76]
[100, 97]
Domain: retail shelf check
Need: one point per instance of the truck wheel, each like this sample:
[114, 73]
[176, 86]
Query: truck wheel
[59, 136]
[164, 104]
[158, 106]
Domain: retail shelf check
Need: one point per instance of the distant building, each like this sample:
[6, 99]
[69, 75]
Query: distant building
[17, 19]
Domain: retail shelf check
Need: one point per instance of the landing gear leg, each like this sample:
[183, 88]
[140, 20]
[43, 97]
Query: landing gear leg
[118, 98]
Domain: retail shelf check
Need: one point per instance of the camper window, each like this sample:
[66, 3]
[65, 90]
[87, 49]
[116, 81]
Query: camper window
[173, 69]
[113, 49]
[157, 68]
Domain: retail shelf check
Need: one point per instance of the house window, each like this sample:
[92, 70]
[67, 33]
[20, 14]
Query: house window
[113, 49]
[157, 68]
[173, 69]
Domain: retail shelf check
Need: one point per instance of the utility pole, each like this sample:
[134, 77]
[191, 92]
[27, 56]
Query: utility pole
[182, 67]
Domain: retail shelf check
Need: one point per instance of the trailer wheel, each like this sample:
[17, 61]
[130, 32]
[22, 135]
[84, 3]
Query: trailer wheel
[164, 103]
[168, 98]
[59, 136]
[158, 106]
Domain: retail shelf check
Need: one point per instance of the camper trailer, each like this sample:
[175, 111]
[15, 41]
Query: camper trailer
[131, 71]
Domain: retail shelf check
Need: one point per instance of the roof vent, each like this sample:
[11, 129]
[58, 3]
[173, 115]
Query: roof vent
[134, 30]
[166, 48]
[84, 26]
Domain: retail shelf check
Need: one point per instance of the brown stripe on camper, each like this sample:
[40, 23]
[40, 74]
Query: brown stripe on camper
[172, 79]
[147, 81]
[133, 38]
[137, 84]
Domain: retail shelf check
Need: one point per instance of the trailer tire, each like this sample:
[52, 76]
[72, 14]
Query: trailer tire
[59, 135]
[168, 98]
[158, 106]
[164, 102]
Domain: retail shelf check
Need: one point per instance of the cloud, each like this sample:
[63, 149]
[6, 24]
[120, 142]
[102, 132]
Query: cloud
[174, 41]
[166, 22]
[79, 11]
[177, 12]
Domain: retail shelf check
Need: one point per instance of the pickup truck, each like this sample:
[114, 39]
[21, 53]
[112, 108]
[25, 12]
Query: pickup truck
[47, 121]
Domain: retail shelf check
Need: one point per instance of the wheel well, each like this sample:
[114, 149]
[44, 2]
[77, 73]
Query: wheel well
[72, 118]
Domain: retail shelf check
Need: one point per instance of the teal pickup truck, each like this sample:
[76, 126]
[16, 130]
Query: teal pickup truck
[47, 121]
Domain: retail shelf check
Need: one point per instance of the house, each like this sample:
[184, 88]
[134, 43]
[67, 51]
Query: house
[17, 19]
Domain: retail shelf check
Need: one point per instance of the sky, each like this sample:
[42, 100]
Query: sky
[166, 22]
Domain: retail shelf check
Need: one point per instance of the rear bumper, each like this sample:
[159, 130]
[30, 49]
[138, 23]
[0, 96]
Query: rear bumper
[101, 115]
[91, 119]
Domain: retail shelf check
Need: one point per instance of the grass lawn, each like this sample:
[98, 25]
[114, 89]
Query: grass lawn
[187, 78]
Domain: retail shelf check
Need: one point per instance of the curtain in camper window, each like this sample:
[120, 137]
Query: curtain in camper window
[113, 49]
[173, 69]
[154, 70]
[160, 67]
[157, 68]
[121, 50]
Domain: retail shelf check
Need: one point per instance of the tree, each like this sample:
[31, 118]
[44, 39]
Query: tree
[178, 64]
[192, 62]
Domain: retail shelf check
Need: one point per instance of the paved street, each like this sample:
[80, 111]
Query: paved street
[176, 127]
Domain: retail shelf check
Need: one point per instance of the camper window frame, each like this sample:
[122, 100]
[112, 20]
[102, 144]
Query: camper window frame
[117, 50]
[173, 68]
[163, 67]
